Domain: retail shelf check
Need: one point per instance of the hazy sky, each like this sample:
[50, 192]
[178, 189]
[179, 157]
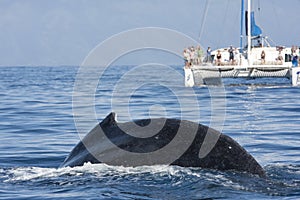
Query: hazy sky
[63, 32]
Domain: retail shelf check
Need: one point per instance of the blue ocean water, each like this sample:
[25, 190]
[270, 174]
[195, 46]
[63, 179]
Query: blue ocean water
[38, 131]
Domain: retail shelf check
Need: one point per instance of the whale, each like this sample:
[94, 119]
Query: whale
[161, 141]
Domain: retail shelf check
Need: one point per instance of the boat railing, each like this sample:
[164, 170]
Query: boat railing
[267, 66]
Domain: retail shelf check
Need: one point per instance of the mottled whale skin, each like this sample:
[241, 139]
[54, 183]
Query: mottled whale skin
[95, 147]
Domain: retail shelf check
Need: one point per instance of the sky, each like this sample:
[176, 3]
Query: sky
[63, 32]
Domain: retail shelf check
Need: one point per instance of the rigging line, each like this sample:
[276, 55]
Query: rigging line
[276, 20]
[203, 19]
[223, 22]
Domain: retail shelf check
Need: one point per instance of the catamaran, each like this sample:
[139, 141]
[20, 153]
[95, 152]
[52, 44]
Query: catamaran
[249, 61]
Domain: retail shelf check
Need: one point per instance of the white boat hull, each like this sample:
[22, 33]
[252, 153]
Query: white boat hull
[202, 75]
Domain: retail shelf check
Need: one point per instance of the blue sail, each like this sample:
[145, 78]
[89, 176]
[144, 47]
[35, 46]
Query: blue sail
[255, 30]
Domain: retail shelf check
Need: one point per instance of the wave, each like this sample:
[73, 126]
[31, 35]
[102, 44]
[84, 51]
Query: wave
[283, 180]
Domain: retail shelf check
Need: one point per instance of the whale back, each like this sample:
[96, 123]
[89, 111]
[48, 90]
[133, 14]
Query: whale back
[156, 141]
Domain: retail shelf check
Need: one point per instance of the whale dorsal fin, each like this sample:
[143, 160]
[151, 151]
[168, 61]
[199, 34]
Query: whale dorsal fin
[109, 120]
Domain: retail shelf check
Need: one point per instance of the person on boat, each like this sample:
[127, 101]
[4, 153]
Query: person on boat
[263, 57]
[199, 55]
[279, 58]
[186, 57]
[193, 55]
[231, 55]
[236, 56]
[219, 57]
[295, 59]
[208, 55]
[259, 44]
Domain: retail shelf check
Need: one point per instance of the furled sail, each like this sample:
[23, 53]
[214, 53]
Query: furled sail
[255, 30]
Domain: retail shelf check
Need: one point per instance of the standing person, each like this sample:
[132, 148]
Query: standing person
[208, 55]
[295, 58]
[199, 55]
[231, 55]
[219, 57]
[185, 57]
[263, 57]
[194, 56]
[237, 57]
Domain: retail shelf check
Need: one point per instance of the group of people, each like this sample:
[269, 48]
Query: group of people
[233, 58]
[195, 56]
[279, 59]
[192, 56]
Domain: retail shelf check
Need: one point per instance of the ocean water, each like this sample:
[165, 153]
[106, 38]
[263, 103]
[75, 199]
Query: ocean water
[38, 130]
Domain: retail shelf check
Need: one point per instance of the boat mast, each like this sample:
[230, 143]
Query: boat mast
[242, 25]
[249, 33]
